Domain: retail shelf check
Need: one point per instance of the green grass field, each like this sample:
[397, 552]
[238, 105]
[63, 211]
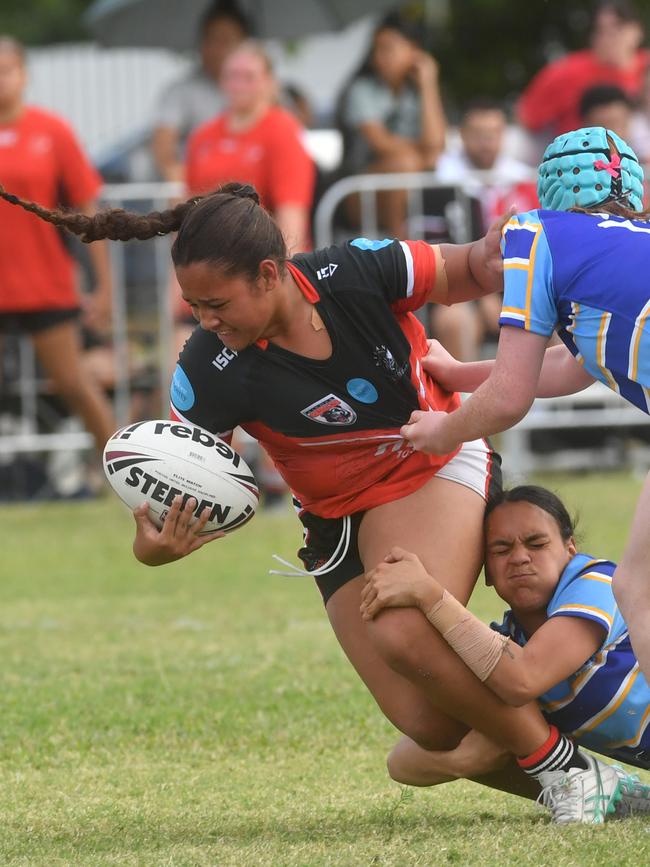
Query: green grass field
[203, 714]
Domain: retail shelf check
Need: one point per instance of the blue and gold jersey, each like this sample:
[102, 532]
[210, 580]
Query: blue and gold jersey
[588, 277]
[605, 705]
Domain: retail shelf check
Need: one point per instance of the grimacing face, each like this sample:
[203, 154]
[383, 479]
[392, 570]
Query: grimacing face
[238, 310]
[525, 555]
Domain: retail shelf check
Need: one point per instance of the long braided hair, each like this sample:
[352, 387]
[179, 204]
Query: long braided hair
[226, 227]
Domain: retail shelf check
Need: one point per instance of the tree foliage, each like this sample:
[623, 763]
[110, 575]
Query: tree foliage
[43, 22]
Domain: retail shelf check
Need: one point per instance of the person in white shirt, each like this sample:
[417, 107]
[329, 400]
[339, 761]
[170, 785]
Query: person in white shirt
[480, 164]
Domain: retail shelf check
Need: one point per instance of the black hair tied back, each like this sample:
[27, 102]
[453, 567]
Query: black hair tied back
[240, 191]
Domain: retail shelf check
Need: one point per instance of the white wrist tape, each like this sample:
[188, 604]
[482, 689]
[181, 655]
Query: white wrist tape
[478, 646]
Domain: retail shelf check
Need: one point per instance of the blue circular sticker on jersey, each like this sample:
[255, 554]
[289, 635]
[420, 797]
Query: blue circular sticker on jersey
[182, 393]
[362, 390]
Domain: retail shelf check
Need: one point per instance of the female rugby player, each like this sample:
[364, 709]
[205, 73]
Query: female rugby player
[319, 358]
[584, 275]
[566, 643]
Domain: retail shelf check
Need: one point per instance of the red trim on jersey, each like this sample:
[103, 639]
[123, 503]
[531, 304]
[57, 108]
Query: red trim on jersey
[434, 397]
[424, 276]
[308, 290]
[340, 473]
[310, 293]
[424, 268]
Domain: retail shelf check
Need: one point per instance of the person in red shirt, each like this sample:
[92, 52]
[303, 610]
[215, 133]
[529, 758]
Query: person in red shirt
[256, 141]
[551, 102]
[41, 159]
[319, 357]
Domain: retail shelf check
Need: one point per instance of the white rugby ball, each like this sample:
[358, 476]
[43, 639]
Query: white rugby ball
[158, 460]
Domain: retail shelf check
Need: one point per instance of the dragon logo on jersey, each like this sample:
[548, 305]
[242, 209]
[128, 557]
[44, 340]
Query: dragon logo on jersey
[383, 357]
[330, 410]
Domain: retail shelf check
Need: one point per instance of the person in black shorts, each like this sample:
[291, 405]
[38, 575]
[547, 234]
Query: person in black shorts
[318, 358]
[40, 157]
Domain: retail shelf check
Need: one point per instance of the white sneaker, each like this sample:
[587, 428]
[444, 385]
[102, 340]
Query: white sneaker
[579, 795]
[635, 795]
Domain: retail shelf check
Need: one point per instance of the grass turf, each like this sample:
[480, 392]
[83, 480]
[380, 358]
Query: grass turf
[203, 714]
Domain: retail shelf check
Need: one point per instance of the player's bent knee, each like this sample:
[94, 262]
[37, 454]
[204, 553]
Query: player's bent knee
[404, 770]
[405, 641]
[623, 587]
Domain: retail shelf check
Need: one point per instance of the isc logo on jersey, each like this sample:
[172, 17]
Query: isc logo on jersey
[330, 410]
[224, 358]
[327, 271]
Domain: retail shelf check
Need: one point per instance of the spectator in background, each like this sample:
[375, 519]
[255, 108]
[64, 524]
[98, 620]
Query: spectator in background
[640, 123]
[494, 180]
[482, 166]
[609, 106]
[551, 102]
[196, 98]
[256, 141]
[41, 160]
[391, 114]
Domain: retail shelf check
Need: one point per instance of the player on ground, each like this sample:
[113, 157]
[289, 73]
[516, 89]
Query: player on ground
[564, 642]
[584, 275]
[319, 359]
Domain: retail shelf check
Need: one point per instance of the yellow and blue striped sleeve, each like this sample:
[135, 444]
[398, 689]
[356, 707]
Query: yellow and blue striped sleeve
[589, 595]
[528, 300]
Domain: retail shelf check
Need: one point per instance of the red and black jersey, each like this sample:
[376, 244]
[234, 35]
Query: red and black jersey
[332, 426]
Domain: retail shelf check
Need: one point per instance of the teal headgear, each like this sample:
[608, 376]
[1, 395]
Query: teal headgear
[580, 169]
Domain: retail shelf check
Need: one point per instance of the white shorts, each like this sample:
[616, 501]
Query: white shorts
[476, 466]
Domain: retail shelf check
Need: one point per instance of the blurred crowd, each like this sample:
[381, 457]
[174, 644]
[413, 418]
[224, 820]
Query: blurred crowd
[231, 118]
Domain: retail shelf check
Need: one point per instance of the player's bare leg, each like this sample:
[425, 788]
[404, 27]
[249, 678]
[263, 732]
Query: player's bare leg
[631, 582]
[475, 758]
[410, 670]
[59, 351]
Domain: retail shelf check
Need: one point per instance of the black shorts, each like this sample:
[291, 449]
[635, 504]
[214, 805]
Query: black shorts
[33, 321]
[476, 466]
[321, 537]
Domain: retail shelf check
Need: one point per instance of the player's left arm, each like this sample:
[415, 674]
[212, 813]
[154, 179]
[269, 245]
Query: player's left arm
[516, 674]
[499, 403]
[557, 650]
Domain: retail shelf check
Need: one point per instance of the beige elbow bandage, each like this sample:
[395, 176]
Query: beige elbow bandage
[478, 646]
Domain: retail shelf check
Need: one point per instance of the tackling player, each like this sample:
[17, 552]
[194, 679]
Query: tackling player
[584, 275]
[319, 358]
[564, 643]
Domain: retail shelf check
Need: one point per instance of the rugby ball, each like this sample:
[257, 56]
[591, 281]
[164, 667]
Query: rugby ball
[159, 459]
